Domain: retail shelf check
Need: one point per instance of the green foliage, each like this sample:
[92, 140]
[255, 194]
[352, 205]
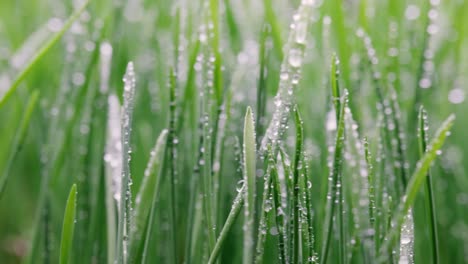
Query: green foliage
[341, 182]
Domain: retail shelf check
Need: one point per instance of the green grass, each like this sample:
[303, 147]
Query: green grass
[141, 106]
[68, 226]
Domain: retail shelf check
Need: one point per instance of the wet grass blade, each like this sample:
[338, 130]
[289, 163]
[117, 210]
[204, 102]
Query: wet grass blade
[296, 189]
[68, 226]
[125, 191]
[334, 76]
[235, 209]
[289, 77]
[250, 180]
[335, 176]
[146, 197]
[172, 146]
[41, 53]
[279, 216]
[19, 139]
[266, 207]
[113, 173]
[414, 185]
[307, 197]
[430, 204]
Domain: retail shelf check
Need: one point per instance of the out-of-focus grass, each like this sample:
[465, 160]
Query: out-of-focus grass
[227, 55]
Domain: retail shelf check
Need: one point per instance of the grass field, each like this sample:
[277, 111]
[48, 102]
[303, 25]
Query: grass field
[233, 131]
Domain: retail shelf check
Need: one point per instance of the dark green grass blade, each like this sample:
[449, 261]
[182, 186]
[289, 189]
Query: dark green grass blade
[334, 75]
[263, 224]
[297, 168]
[19, 139]
[430, 204]
[250, 180]
[172, 146]
[335, 175]
[235, 209]
[68, 226]
[279, 215]
[41, 53]
[414, 185]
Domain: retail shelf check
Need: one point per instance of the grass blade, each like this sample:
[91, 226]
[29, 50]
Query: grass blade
[68, 226]
[266, 207]
[235, 209]
[334, 188]
[19, 139]
[430, 204]
[279, 215]
[113, 173]
[250, 179]
[289, 77]
[172, 145]
[146, 197]
[125, 192]
[407, 239]
[41, 53]
[297, 168]
[415, 183]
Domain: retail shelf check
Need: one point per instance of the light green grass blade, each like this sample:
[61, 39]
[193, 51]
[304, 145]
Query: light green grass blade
[250, 192]
[19, 139]
[68, 226]
[147, 194]
[41, 53]
[235, 209]
[125, 191]
[414, 185]
[113, 173]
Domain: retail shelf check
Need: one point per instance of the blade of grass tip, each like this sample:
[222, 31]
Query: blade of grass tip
[113, 173]
[68, 226]
[266, 207]
[297, 168]
[430, 204]
[279, 216]
[19, 139]
[147, 194]
[235, 209]
[41, 53]
[250, 179]
[414, 184]
[334, 77]
[332, 197]
[125, 191]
